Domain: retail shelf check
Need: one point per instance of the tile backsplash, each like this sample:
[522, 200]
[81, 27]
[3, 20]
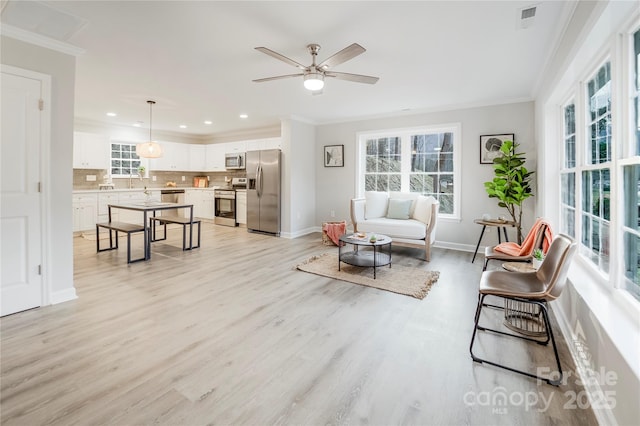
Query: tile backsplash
[215, 179]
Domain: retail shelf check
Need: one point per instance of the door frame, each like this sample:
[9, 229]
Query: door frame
[45, 156]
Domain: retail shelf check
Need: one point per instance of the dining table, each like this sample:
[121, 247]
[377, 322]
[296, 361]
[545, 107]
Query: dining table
[149, 209]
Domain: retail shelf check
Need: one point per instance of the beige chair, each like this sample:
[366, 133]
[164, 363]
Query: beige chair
[490, 253]
[534, 288]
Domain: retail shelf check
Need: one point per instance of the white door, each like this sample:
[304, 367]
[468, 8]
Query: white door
[20, 222]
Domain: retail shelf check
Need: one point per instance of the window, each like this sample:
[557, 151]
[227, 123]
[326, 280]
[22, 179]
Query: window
[568, 174]
[596, 176]
[631, 185]
[124, 160]
[413, 160]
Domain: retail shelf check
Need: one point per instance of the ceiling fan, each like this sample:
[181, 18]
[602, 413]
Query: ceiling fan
[315, 74]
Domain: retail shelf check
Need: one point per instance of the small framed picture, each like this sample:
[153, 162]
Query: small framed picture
[490, 146]
[334, 155]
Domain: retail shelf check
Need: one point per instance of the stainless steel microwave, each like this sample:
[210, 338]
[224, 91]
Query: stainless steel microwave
[234, 161]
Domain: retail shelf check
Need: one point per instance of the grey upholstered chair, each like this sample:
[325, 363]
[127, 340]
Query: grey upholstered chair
[533, 289]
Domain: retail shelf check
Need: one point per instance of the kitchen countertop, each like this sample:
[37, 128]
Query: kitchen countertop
[108, 191]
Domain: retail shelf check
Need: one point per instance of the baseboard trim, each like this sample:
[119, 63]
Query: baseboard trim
[63, 296]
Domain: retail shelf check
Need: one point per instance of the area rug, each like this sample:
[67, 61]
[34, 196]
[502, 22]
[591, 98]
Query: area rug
[397, 279]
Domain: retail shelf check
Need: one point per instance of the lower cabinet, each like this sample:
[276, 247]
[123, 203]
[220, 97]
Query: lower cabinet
[241, 207]
[85, 212]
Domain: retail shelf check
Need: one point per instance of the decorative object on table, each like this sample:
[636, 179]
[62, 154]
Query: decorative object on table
[490, 146]
[538, 257]
[512, 182]
[409, 281]
[334, 156]
[149, 149]
[331, 232]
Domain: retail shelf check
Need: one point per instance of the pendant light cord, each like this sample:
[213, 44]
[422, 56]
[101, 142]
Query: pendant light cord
[150, 118]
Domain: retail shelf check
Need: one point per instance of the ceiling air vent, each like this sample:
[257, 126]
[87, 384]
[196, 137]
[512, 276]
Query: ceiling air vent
[527, 16]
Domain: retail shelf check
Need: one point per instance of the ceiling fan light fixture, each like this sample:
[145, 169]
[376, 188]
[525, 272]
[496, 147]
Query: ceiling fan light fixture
[149, 149]
[314, 81]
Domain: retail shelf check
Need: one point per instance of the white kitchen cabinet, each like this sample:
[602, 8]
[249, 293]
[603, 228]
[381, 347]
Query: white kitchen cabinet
[104, 199]
[193, 196]
[131, 216]
[215, 157]
[90, 151]
[175, 158]
[267, 143]
[84, 212]
[197, 158]
[241, 207]
[208, 204]
[235, 147]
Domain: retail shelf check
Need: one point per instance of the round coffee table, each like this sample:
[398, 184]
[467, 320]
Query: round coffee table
[379, 255]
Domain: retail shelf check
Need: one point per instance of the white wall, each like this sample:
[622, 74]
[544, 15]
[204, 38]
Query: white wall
[336, 185]
[298, 178]
[61, 67]
[601, 325]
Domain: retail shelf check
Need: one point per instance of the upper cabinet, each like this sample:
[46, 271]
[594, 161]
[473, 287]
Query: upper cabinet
[175, 158]
[215, 158]
[90, 151]
[259, 144]
[197, 158]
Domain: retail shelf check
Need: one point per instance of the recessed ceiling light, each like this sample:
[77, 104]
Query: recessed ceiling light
[112, 114]
[183, 126]
[244, 116]
[208, 122]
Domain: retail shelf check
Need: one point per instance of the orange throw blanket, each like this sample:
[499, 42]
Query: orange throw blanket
[527, 247]
[335, 230]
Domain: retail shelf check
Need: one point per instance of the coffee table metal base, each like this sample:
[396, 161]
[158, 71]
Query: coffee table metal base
[366, 258]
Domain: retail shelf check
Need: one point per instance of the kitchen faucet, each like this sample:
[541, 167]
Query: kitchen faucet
[130, 176]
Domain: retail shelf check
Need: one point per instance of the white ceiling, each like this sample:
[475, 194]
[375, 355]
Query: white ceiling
[197, 58]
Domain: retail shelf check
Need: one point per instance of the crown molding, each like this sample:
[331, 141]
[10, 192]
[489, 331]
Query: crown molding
[40, 40]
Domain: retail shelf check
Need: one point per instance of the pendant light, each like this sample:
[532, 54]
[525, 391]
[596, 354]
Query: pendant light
[149, 149]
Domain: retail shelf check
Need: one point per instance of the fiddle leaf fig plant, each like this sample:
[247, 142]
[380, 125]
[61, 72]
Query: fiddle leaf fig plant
[512, 182]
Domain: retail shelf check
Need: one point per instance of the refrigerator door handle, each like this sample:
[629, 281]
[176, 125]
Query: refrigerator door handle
[259, 180]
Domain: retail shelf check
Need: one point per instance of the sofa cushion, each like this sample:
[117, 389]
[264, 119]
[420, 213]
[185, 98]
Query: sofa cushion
[422, 212]
[413, 196]
[376, 204]
[395, 228]
[399, 209]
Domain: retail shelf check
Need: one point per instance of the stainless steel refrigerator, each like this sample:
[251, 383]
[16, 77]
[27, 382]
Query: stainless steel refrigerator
[263, 191]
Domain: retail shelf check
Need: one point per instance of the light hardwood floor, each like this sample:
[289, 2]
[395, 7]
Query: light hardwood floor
[232, 334]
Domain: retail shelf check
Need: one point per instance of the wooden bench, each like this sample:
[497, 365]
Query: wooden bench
[184, 221]
[128, 228]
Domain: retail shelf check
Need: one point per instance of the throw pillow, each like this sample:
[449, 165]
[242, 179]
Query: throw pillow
[422, 211]
[399, 209]
[376, 204]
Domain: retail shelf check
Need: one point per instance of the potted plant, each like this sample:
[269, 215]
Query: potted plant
[511, 184]
[538, 257]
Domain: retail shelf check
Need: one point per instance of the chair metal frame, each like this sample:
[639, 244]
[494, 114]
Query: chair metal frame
[548, 281]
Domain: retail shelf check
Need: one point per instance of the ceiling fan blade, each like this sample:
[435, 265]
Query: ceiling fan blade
[358, 78]
[260, 80]
[281, 57]
[344, 55]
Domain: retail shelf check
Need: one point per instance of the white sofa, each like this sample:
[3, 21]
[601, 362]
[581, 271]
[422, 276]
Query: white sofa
[408, 218]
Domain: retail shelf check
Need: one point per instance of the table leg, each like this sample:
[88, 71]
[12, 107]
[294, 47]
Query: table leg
[504, 229]
[478, 245]
[499, 237]
[374, 262]
[147, 236]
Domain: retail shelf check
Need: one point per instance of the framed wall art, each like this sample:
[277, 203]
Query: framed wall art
[334, 155]
[490, 146]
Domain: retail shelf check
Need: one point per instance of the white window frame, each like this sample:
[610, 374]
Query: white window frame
[405, 135]
[133, 144]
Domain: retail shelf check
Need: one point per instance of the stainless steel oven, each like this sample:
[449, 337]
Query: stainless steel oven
[225, 207]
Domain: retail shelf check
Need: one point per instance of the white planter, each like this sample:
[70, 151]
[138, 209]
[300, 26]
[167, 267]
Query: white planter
[536, 263]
